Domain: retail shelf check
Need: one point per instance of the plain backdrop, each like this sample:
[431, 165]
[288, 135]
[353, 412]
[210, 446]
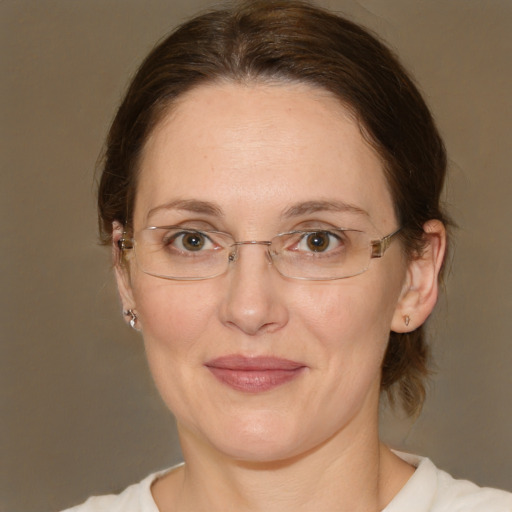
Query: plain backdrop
[80, 414]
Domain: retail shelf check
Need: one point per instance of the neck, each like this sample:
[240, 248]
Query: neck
[360, 475]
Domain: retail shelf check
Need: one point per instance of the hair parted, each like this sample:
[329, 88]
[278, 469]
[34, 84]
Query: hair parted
[294, 41]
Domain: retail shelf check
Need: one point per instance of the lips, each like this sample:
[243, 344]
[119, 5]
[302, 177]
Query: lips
[254, 374]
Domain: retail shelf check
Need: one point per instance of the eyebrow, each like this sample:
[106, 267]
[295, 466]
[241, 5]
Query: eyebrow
[309, 207]
[296, 210]
[188, 205]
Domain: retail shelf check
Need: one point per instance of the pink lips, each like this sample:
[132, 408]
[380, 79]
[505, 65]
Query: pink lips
[254, 374]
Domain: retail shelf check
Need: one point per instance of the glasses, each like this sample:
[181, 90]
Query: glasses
[174, 252]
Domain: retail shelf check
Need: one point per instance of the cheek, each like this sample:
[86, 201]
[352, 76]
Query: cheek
[346, 310]
[349, 321]
[176, 319]
[173, 314]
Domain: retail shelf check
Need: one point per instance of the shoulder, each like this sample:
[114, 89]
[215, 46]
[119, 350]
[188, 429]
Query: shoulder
[135, 498]
[460, 495]
[433, 490]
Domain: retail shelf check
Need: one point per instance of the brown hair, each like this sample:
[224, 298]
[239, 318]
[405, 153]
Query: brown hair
[295, 41]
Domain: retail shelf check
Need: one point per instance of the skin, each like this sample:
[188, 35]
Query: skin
[253, 152]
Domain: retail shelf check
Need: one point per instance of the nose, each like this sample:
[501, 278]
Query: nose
[254, 303]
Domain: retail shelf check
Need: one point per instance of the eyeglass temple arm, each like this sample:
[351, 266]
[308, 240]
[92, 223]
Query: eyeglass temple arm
[379, 247]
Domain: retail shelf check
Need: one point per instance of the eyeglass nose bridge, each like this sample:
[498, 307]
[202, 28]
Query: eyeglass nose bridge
[233, 255]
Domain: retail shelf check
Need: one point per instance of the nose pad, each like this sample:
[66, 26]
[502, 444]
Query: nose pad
[271, 251]
[270, 258]
[233, 255]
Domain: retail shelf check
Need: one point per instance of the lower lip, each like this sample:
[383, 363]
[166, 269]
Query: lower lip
[254, 380]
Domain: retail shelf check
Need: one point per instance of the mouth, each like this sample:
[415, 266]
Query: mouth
[254, 374]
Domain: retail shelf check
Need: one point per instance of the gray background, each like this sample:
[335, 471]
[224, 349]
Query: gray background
[79, 411]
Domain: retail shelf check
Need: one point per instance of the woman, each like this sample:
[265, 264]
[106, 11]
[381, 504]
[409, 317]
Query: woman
[271, 194]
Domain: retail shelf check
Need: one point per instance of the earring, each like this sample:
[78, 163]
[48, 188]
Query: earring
[133, 319]
[407, 319]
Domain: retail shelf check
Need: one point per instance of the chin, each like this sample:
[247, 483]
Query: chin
[258, 438]
[259, 451]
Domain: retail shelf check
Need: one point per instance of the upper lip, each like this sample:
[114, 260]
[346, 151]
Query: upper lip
[255, 363]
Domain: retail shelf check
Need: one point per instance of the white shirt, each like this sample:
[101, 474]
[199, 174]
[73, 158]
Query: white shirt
[428, 490]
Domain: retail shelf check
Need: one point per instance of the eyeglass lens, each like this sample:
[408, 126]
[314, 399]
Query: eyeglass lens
[178, 253]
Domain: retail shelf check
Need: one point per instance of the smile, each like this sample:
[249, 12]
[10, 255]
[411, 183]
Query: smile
[254, 374]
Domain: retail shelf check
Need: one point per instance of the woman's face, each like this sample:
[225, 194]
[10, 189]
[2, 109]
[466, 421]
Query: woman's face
[256, 365]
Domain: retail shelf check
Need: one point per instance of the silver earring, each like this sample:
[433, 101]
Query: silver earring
[407, 319]
[133, 319]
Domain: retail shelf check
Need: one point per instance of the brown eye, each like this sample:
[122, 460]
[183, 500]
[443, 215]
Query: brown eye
[193, 241]
[318, 242]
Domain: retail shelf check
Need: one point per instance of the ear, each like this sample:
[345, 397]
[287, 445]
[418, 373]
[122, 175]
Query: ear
[419, 294]
[121, 269]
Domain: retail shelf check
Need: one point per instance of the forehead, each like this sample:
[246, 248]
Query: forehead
[256, 150]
